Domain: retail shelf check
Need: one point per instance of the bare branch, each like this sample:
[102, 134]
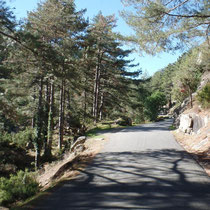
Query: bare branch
[179, 5]
[187, 16]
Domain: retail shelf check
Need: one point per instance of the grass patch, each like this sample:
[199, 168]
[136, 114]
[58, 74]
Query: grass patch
[94, 132]
[172, 127]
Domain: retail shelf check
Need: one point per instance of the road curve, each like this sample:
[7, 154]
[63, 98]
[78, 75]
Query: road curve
[140, 167]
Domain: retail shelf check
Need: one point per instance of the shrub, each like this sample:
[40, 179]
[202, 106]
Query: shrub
[204, 96]
[5, 139]
[23, 137]
[17, 187]
[20, 139]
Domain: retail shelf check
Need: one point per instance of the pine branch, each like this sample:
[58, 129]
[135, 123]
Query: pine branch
[18, 41]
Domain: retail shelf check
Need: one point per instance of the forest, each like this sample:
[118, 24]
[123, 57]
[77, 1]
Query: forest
[62, 75]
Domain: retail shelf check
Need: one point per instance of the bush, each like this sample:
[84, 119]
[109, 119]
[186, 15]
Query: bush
[204, 96]
[23, 137]
[20, 139]
[17, 187]
[5, 139]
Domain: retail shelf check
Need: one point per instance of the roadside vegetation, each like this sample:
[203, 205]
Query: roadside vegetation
[62, 77]
[204, 96]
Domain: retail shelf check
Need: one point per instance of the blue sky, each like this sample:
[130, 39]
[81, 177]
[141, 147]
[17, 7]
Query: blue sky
[108, 7]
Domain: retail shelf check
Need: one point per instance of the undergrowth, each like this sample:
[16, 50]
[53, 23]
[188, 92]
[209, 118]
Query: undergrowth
[204, 96]
[17, 187]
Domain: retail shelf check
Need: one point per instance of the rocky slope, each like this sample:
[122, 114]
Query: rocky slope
[193, 131]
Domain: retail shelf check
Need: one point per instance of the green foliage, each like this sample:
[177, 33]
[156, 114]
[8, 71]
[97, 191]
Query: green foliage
[5, 138]
[172, 127]
[23, 137]
[153, 105]
[187, 75]
[20, 139]
[204, 96]
[100, 127]
[20, 186]
[13, 156]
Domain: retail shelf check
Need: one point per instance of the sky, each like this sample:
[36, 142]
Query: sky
[149, 64]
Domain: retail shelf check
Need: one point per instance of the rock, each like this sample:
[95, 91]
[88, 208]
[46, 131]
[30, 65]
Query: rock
[192, 123]
[204, 79]
[99, 139]
[79, 148]
[206, 120]
[124, 121]
[81, 138]
[201, 144]
[198, 123]
[185, 122]
[189, 130]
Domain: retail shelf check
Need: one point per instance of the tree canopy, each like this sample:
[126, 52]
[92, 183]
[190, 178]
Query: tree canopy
[167, 25]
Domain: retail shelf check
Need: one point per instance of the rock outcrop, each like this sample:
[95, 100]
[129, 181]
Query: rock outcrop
[181, 120]
[192, 123]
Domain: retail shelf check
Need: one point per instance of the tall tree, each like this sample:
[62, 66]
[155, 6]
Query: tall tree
[59, 25]
[110, 65]
[187, 75]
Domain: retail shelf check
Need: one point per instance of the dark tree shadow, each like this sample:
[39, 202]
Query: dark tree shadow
[155, 179]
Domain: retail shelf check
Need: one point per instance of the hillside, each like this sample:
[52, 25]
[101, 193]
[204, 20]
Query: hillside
[193, 131]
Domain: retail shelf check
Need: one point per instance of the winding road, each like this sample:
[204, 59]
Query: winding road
[140, 167]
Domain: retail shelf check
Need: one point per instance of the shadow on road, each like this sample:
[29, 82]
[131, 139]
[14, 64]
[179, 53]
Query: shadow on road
[160, 179]
[152, 127]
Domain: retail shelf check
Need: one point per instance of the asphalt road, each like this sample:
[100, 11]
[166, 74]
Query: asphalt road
[139, 168]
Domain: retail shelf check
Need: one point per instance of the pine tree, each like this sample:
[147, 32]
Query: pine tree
[167, 25]
[110, 65]
[60, 26]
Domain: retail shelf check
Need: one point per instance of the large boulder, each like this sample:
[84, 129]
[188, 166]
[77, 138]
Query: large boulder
[198, 123]
[192, 122]
[186, 123]
[79, 144]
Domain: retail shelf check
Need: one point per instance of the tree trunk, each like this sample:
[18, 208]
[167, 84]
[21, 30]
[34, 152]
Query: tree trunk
[33, 118]
[95, 94]
[46, 115]
[85, 106]
[48, 153]
[38, 127]
[61, 115]
[191, 99]
[101, 107]
[97, 88]
[170, 102]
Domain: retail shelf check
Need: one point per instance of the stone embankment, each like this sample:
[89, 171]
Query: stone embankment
[192, 123]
